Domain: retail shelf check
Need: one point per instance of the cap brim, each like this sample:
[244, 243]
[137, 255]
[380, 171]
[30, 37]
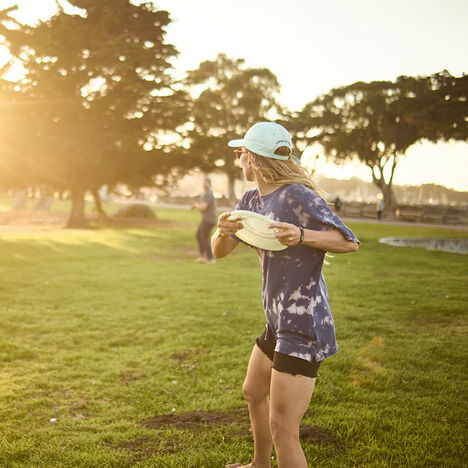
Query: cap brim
[236, 143]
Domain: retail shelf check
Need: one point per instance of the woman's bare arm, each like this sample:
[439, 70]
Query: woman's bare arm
[330, 241]
[222, 242]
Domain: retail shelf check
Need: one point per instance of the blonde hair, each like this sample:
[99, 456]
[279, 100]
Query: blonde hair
[277, 171]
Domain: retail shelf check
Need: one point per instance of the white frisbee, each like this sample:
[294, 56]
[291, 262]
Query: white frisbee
[256, 231]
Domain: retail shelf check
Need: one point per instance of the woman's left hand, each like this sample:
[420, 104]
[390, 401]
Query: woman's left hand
[287, 234]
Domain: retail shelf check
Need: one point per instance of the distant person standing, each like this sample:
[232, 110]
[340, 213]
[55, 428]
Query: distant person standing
[380, 209]
[207, 207]
[338, 204]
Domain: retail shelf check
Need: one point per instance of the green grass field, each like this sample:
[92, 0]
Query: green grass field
[123, 339]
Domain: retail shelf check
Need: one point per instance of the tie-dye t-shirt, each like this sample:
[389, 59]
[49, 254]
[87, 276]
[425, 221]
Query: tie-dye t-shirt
[294, 293]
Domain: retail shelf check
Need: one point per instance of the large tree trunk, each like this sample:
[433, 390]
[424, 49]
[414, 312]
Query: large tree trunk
[389, 200]
[77, 217]
[390, 203]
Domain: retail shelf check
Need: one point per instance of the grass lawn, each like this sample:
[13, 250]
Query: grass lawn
[123, 339]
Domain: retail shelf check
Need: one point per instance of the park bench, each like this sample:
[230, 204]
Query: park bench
[351, 211]
[436, 218]
[410, 215]
[369, 212]
[455, 219]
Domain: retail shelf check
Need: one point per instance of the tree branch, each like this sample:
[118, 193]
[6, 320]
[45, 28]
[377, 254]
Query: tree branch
[393, 169]
[375, 179]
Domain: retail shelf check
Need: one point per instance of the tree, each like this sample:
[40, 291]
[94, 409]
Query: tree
[377, 122]
[443, 113]
[98, 94]
[366, 121]
[231, 99]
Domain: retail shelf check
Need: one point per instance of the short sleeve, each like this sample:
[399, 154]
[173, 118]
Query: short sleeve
[313, 213]
[240, 205]
[245, 202]
[207, 197]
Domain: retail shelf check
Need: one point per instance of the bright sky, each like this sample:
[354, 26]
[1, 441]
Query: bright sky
[313, 46]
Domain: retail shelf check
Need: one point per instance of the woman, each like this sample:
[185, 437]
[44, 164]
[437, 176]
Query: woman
[300, 331]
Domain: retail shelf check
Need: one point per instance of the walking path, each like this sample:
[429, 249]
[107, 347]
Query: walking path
[455, 227]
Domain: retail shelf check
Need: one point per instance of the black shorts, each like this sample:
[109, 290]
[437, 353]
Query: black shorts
[284, 363]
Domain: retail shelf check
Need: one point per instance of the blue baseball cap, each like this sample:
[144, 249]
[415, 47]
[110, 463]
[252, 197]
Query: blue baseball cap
[264, 138]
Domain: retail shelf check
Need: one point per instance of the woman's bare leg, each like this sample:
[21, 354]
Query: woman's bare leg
[256, 389]
[289, 399]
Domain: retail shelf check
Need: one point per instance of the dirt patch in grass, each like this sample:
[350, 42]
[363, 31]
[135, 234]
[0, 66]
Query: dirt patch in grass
[197, 421]
[181, 356]
[131, 376]
[318, 435]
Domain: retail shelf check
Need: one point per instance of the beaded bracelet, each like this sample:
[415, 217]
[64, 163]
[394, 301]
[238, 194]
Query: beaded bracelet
[302, 236]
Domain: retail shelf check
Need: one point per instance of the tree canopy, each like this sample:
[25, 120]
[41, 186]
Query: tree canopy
[377, 122]
[441, 113]
[230, 99]
[96, 96]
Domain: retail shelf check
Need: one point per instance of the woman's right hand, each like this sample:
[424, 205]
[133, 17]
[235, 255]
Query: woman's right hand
[222, 241]
[227, 228]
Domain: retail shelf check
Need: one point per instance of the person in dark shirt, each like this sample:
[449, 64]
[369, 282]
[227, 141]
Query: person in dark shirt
[300, 330]
[207, 207]
[380, 210]
[338, 204]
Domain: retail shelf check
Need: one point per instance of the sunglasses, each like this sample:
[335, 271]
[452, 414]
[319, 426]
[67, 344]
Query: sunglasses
[238, 152]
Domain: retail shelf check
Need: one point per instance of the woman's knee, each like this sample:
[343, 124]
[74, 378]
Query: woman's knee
[282, 430]
[254, 393]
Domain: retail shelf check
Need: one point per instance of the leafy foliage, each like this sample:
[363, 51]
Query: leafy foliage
[443, 113]
[377, 122]
[96, 95]
[231, 98]
[363, 120]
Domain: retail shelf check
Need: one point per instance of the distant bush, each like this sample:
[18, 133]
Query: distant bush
[135, 211]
